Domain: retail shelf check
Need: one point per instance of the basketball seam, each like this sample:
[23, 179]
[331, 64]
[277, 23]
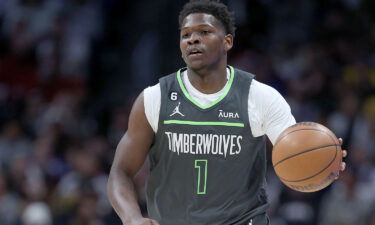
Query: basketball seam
[325, 167]
[303, 129]
[314, 174]
[308, 150]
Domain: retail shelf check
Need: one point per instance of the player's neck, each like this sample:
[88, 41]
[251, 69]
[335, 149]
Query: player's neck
[208, 81]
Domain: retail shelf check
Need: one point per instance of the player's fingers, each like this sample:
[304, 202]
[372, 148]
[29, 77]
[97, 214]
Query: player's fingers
[340, 141]
[344, 153]
[342, 166]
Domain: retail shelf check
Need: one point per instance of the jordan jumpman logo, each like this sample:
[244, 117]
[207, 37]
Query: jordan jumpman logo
[177, 110]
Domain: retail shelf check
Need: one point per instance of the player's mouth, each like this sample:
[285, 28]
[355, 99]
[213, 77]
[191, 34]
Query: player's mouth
[195, 52]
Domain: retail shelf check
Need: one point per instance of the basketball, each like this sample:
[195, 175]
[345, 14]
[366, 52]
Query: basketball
[307, 157]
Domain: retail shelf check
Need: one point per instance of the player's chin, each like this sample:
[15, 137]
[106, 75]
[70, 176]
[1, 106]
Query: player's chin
[196, 65]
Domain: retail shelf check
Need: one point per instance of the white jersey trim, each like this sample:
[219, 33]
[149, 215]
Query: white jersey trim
[269, 113]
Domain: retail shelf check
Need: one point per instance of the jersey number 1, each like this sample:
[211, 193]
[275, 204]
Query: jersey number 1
[201, 165]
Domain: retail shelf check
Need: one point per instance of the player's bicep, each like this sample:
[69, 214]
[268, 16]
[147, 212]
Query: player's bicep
[133, 148]
[278, 117]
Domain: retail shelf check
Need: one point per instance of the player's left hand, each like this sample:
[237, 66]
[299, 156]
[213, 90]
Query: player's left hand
[344, 154]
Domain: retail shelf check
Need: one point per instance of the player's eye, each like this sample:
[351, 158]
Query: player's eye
[205, 32]
[185, 35]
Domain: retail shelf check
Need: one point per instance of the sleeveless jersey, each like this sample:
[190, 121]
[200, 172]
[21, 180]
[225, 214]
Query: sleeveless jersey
[206, 168]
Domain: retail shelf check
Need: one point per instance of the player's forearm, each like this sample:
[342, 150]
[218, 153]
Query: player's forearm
[123, 197]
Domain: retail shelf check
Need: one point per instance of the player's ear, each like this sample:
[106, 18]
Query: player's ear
[228, 42]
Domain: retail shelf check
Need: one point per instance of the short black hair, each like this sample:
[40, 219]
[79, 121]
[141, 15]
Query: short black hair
[212, 7]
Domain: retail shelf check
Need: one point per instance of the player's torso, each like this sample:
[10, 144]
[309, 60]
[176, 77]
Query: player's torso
[206, 167]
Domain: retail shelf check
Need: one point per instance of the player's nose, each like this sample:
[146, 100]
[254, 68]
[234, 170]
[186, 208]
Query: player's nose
[194, 39]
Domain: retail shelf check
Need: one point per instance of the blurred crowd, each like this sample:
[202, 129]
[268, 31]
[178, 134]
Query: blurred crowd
[70, 69]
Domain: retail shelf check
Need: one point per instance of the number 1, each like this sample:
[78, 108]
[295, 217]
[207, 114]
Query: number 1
[201, 165]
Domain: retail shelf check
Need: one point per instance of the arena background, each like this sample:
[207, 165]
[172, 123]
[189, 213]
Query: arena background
[71, 69]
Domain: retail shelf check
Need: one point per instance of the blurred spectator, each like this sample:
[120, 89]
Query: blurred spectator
[344, 204]
[34, 107]
[82, 23]
[86, 175]
[13, 143]
[18, 70]
[346, 118]
[291, 20]
[364, 135]
[52, 167]
[360, 77]
[86, 211]
[295, 208]
[9, 203]
[49, 52]
[36, 15]
[290, 62]
[64, 111]
[118, 126]
[37, 213]
[371, 217]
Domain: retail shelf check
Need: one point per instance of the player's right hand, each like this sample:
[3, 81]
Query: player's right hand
[144, 221]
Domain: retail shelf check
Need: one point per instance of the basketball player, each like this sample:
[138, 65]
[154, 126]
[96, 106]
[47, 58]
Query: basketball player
[203, 128]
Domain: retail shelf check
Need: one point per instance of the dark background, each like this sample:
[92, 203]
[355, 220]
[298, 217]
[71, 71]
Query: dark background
[71, 69]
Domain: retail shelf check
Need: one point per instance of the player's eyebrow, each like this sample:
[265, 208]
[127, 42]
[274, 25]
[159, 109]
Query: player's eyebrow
[197, 26]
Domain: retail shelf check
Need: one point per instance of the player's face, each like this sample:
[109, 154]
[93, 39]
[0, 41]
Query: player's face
[203, 41]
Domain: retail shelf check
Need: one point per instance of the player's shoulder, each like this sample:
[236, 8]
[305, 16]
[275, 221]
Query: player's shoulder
[152, 88]
[151, 92]
[156, 88]
[152, 101]
[264, 97]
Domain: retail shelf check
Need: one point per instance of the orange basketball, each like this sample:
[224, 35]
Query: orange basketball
[307, 157]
